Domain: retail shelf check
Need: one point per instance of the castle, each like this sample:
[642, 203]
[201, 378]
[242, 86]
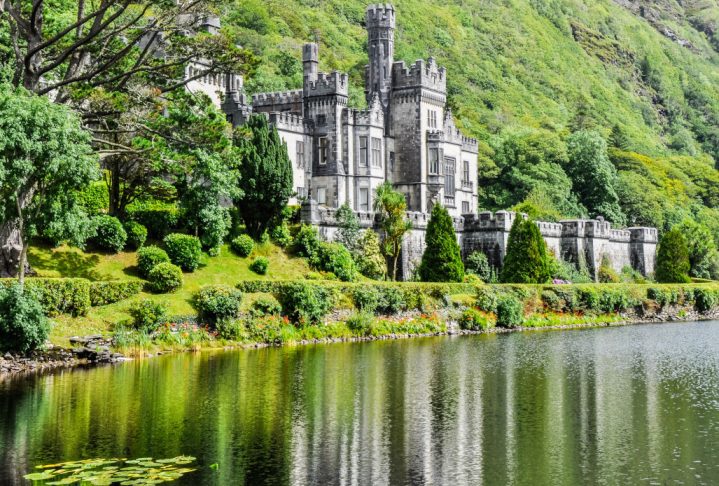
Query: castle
[405, 136]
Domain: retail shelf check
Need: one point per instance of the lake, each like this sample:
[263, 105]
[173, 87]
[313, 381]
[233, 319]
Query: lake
[625, 405]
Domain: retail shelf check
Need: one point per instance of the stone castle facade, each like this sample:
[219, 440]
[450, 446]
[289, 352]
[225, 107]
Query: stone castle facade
[405, 136]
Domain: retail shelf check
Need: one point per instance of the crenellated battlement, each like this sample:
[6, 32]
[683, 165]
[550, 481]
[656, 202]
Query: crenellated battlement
[334, 83]
[278, 98]
[644, 235]
[421, 74]
[380, 16]
[289, 122]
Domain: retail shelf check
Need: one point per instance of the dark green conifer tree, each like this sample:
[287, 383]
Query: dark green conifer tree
[526, 260]
[266, 181]
[673, 258]
[441, 261]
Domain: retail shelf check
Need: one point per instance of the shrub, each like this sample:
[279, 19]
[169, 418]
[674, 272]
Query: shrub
[487, 299]
[231, 329]
[673, 258]
[159, 218]
[441, 261]
[109, 234]
[307, 241]
[165, 278]
[527, 260]
[510, 312]
[184, 251]
[281, 235]
[392, 301]
[265, 329]
[217, 302]
[705, 299]
[305, 303]
[266, 306]
[150, 256]
[367, 298]
[478, 264]
[606, 273]
[474, 320]
[360, 323]
[551, 301]
[260, 265]
[23, 325]
[58, 295]
[213, 224]
[105, 293]
[95, 198]
[136, 234]
[147, 315]
[335, 258]
[369, 259]
[242, 245]
[589, 299]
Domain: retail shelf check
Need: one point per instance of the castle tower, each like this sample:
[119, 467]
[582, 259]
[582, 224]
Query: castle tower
[380, 23]
[310, 63]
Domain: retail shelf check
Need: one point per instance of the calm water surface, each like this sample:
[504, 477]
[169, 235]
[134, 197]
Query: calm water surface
[633, 405]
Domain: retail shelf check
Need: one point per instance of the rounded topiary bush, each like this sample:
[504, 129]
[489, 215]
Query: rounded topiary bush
[147, 315]
[165, 278]
[474, 320]
[243, 245]
[510, 311]
[23, 324]
[260, 265]
[136, 235]
[305, 304]
[150, 256]
[367, 298]
[184, 251]
[307, 241]
[218, 302]
[335, 258]
[281, 235]
[266, 306]
[109, 234]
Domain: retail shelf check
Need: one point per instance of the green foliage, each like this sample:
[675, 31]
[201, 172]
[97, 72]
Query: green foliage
[526, 260]
[442, 260]
[23, 325]
[281, 235]
[164, 278]
[136, 235]
[147, 315]
[391, 207]
[106, 293]
[266, 306]
[510, 311]
[349, 229]
[307, 241]
[706, 300]
[703, 255]
[367, 298]
[672, 258]
[606, 273]
[94, 198]
[159, 218]
[109, 234]
[184, 251]
[594, 178]
[478, 264]
[231, 329]
[474, 320]
[266, 181]
[150, 256]
[218, 302]
[243, 245]
[369, 259]
[260, 265]
[57, 296]
[360, 323]
[305, 304]
[335, 258]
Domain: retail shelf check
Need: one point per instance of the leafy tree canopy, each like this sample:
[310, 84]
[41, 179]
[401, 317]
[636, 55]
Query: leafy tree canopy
[527, 259]
[442, 259]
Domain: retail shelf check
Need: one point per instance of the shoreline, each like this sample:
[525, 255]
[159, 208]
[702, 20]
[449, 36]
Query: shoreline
[58, 358]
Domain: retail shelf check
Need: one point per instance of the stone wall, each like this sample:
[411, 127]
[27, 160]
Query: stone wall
[583, 242]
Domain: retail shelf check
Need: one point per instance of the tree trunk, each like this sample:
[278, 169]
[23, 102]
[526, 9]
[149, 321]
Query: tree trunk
[11, 250]
[114, 168]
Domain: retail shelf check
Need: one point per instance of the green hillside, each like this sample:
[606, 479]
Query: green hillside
[646, 76]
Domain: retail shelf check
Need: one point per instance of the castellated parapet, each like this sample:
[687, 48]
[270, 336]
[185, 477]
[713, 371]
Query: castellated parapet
[332, 84]
[289, 122]
[271, 100]
[421, 74]
[380, 15]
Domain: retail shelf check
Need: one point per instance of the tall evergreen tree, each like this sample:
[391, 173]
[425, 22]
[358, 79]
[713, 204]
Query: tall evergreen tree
[526, 260]
[441, 261]
[673, 258]
[391, 206]
[266, 170]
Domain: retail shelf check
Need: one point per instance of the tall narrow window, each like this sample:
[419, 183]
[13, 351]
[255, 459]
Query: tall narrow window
[323, 149]
[432, 118]
[465, 207]
[434, 161]
[449, 164]
[465, 171]
[363, 152]
[321, 195]
[376, 152]
[300, 149]
[364, 199]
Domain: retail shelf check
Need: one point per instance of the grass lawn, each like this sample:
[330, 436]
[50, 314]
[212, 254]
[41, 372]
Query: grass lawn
[227, 268]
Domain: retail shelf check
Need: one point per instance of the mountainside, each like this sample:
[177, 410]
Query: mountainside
[645, 74]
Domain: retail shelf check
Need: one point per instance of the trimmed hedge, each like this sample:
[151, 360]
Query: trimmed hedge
[159, 218]
[184, 251]
[105, 293]
[217, 302]
[165, 278]
[148, 257]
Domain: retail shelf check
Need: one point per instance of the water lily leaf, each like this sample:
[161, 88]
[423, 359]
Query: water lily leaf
[39, 476]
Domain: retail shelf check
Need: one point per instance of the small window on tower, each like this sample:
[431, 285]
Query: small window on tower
[323, 149]
[465, 207]
[321, 195]
[376, 152]
[434, 161]
[363, 152]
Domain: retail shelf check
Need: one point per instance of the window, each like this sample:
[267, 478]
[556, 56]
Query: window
[376, 152]
[300, 148]
[465, 171]
[391, 161]
[449, 164]
[465, 207]
[364, 199]
[321, 195]
[323, 150]
[434, 161]
[301, 192]
[363, 152]
[432, 119]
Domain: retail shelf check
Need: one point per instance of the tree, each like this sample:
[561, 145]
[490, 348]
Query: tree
[673, 258]
[45, 158]
[370, 261]
[594, 178]
[442, 260]
[348, 233]
[392, 209]
[266, 169]
[526, 260]
[702, 251]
